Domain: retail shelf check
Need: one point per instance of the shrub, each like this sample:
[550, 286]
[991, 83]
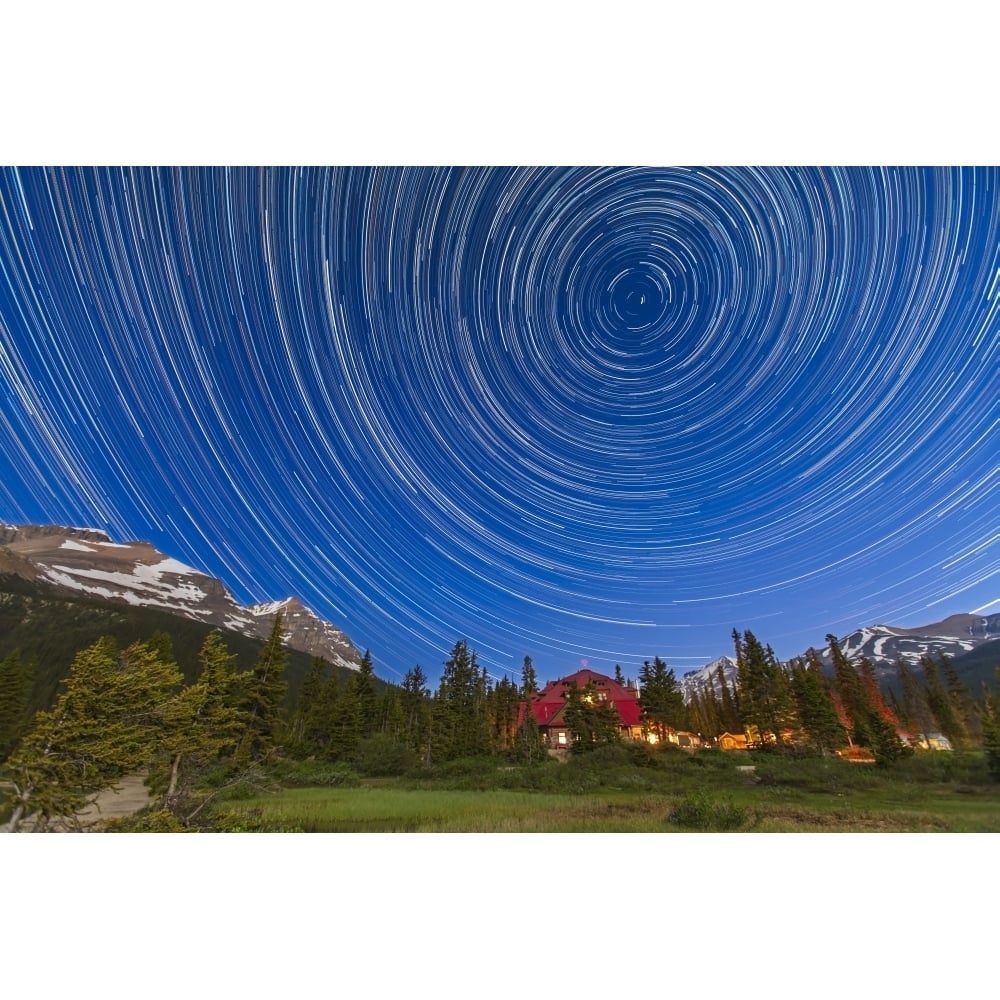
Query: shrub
[640, 754]
[466, 774]
[698, 811]
[382, 756]
[943, 766]
[160, 821]
[314, 774]
[713, 757]
[605, 755]
[815, 774]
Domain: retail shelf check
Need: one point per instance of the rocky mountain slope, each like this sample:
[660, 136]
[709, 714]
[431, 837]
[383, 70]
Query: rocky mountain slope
[706, 677]
[885, 644]
[135, 573]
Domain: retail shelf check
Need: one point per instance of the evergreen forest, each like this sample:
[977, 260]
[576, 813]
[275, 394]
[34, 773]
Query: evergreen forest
[220, 729]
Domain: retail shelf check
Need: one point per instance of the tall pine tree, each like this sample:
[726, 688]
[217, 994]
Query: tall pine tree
[416, 711]
[264, 696]
[817, 715]
[529, 679]
[660, 699]
[766, 702]
[460, 723]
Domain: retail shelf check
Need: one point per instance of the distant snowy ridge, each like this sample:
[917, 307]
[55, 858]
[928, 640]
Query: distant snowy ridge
[135, 573]
[884, 645]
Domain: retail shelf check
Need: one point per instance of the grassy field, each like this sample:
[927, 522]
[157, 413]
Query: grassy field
[609, 796]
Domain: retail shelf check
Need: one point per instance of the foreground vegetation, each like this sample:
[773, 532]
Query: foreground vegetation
[669, 791]
[229, 751]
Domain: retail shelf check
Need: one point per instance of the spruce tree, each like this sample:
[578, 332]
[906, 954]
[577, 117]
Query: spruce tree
[850, 691]
[363, 684]
[939, 702]
[302, 731]
[874, 692]
[869, 717]
[529, 745]
[765, 699]
[391, 718]
[963, 708]
[416, 711]
[204, 724]
[817, 714]
[730, 719]
[345, 732]
[16, 679]
[710, 712]
[115, 714]
[503, 702]
[265, 690]
[660, 699]
[991, 733]
[460, 707]
[592, 722]
[529, 680]
[916, 710]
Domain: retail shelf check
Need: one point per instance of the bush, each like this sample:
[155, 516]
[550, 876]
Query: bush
[944, 767]
[462, 767]
[604, 755]
[698, 811]
[463, 774]
[641, 754]
[815, 774]
[160, 821]
[381, 756]
[314, 774]
[713, 757]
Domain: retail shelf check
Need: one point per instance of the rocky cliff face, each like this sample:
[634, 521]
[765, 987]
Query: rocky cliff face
[136, 573]
[307, 631]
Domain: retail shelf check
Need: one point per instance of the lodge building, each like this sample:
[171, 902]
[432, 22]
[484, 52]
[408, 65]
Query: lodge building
[549, 705]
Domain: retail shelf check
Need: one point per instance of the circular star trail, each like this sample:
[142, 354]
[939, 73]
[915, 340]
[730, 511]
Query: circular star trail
[605, 413]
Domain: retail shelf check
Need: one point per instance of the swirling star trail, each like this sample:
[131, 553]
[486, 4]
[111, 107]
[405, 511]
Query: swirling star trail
[601, 413]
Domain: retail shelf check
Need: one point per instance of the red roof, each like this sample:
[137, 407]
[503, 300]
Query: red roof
[549, 702]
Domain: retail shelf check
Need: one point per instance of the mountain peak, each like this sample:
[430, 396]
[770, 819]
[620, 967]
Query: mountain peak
[136, 573]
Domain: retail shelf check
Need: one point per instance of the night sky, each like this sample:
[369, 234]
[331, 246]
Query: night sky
[580, 414]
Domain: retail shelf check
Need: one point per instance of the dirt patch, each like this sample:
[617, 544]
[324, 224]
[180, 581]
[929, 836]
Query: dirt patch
[842, 820]
[124, 798]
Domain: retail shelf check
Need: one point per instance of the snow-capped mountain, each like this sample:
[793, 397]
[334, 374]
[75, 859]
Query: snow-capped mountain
[307, 631]
[882, 644]
[885, 644]
[86, 560]
[706, 677]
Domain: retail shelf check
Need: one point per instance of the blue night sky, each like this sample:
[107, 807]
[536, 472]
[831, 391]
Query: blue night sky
[598, 414]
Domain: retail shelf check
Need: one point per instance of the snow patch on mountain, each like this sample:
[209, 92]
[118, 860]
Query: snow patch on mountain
[76, 546]
[271, 608]
[148, 579]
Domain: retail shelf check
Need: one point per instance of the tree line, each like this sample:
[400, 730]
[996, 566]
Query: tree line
[122, 710]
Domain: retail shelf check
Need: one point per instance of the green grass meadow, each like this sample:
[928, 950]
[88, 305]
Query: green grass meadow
[673, 794]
